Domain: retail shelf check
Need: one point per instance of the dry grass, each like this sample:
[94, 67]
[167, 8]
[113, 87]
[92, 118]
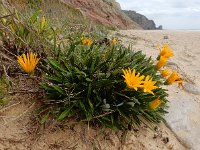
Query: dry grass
[61, 15]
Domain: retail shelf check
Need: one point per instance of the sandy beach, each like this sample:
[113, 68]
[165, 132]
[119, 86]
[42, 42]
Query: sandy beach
[21, 134]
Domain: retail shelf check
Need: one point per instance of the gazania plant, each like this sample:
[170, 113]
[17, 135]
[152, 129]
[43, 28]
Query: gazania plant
[28, 62]
[104, 84]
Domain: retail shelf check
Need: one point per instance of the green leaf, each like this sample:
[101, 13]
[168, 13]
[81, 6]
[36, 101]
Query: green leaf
[54, 40]
[135, 100]
[35, 16]
[57, 66]
[91, 105]
[88, 79]
[59, 89]
[65, 113]
[45, 118]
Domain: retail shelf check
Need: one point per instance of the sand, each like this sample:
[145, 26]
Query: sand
[18, 130]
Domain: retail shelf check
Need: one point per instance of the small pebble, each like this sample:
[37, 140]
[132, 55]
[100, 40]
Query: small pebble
[166, 37]
[165, 140]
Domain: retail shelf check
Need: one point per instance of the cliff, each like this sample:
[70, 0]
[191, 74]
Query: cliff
[106, 12]
[143, 21]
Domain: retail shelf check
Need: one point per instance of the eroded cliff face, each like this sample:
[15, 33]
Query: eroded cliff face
[143, 21]
[106, 12]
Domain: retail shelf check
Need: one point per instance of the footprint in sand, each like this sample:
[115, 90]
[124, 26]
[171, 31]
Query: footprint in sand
[192, 88]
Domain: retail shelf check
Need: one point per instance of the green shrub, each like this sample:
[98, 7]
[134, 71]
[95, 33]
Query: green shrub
[86, 82]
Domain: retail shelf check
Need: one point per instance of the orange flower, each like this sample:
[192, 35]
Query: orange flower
[86, 41]
[114, 41]
[166, 51]
[132, 80]
[174, 78]
[155, 104]
[165, 72]
[28, 62]
[149, 85]
[162, 62]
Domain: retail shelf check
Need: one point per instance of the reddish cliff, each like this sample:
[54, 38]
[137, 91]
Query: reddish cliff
[107, 12]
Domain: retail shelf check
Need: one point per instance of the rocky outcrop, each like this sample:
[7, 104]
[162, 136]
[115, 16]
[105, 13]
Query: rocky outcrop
[159, 27]
[143, 21]
[106, 12]
[113, 3]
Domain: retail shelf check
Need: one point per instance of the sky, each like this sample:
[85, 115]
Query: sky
[172, 14]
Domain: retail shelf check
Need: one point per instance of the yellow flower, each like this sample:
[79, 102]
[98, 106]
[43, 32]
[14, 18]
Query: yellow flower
[149, 85]
[132, 80]
[166, 51]
[86, 41]
[114, 41]
[162, 62]
[28, 62]
[174, 78]
[165, 72]
[89, 42]
[155, 103]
